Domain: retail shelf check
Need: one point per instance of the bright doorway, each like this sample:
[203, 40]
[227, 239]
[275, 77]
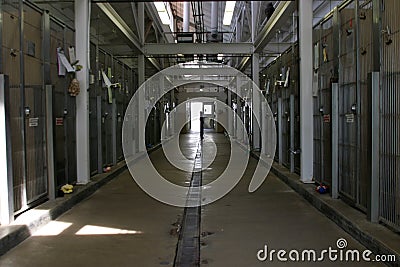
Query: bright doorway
[195, 108]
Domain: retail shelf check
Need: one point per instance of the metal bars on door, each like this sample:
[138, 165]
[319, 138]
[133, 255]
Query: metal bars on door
[390, 115]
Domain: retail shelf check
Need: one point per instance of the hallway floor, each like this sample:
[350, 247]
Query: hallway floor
[120, 225]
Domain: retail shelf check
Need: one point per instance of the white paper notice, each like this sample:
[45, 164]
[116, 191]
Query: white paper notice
[71, 52]
[63, 63]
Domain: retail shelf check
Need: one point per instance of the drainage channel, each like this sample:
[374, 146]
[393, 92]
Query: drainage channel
[188, 248]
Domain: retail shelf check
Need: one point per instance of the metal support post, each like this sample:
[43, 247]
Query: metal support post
[114, 130]
[291, 119]
[6, 176]
[256, 109]
[306, 103]
[335, 141]
[280, 136]
[82, 21]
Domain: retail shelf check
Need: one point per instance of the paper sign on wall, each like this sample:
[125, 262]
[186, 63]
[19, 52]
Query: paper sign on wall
[59, 121]
[33, 122]
[349, 118]
[63, 63]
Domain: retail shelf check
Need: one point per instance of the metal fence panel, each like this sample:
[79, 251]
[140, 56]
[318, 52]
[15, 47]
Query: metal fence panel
[365, 67]
[323, 71]
[64, 107]
[26, 102]
[93, 137]
[34, 94]
[11, 67]
[60, 85]
[35, 125]
[348, 103]
[106, 110]
[390, 116]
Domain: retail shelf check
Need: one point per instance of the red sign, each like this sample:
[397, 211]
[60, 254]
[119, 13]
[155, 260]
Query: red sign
[59, 121]
[327, 118]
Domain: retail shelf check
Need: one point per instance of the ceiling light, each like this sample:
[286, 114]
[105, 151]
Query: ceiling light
[163, 12]
[160, 6]
[229, 8]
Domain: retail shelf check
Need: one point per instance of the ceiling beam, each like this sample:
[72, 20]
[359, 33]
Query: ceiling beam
[118, 21]
[198, 48]
[282, 12]
[152, 12]
[134, 16]
[198, 72]
[280, 16]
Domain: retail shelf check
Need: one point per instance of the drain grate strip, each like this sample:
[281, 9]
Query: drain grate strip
[188, 248]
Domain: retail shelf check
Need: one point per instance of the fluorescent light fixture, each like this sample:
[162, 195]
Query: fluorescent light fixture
[163, 12]
[229, 8]
[160, 6]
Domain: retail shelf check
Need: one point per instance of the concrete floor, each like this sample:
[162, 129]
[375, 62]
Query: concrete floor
[241, 223]
[143, 230]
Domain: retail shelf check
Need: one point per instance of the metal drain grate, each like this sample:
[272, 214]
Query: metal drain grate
[188, 248]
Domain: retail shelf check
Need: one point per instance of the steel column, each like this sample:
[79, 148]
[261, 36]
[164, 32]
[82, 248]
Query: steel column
[1, 37]
[335, 141]
[46, 47]
[99, 138]
[255, 101]
[82, 21]
[114, 130]
[373, 185]
[230, 123]
[67, 110]
[50, 142]
[22, 98]
[214, 17]
[377, 33]
[306, 76]
[374, 96]
[358, 95]
[292, 118]
[172, 113]
[335, 107]
[98, 85]
[239, 130]
[186, 16]
[141, 107]
[280, 135]
[264, 127]
[336, 44]
[6, 176]
[49, 104]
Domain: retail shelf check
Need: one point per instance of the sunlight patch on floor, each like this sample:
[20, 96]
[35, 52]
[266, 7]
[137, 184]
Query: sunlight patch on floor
[100, 230]
[53, 228]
